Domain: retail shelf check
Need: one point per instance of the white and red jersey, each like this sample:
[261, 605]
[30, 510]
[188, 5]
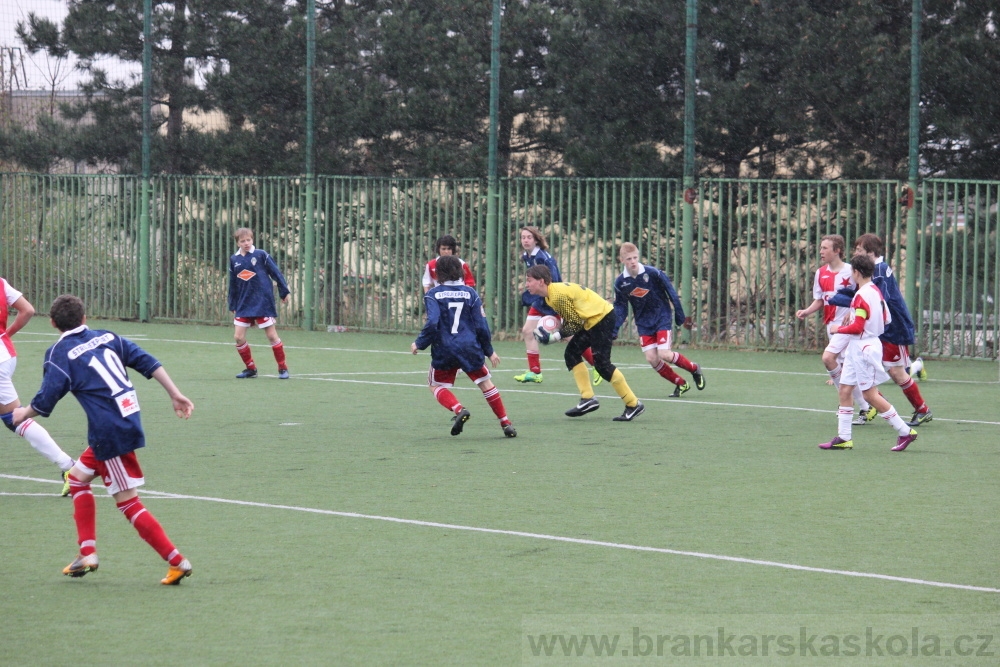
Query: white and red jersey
[10, 296]
[868, 300]
[430, 278]
[826, 284]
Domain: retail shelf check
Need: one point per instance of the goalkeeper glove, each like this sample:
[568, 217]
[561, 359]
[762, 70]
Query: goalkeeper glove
[544, 337]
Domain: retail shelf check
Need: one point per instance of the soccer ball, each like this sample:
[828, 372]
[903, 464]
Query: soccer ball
[550, 323]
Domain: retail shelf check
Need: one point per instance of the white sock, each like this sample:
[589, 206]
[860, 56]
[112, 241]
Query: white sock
[844, 416]
[835, 375]
[895, 421]
[39, 438]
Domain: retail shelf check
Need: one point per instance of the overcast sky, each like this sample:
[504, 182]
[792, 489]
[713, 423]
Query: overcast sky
[38, 71]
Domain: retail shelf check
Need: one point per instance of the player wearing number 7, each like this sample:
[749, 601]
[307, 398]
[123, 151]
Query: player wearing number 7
[91, 365]
[459, 337]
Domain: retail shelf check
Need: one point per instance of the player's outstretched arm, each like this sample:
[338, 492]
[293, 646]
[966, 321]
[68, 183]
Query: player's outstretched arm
[183, 407]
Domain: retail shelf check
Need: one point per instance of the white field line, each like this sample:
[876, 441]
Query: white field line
[25, 338]
[554, 538]
[325, 377]
[341, 377]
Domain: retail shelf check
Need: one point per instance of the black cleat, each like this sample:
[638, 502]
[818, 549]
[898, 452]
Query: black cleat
[248, 373]
[510, 431]
[699, 379]
[458, 421]
[583, 407]
[680, 389]
[630, 413]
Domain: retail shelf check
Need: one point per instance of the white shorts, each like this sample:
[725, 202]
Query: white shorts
[838, 345]
[863, 365]
[7, 392]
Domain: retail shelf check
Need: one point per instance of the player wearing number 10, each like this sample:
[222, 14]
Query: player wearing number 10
[459, 337]
[91, 365]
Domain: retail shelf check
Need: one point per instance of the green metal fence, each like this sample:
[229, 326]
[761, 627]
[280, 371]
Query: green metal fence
[754, 254]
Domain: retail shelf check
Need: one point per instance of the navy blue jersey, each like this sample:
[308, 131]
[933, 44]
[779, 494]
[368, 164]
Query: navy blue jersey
[92, 364]
[536, 258]
[900, 331]
[456, 329]
[654, 301]
[250, 290]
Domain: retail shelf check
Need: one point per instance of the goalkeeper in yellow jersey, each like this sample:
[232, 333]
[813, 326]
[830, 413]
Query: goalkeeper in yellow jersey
[590, 320]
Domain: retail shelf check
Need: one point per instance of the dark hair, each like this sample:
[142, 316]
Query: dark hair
[870, 243]
[446, 241]
[864, 265]
[67, 312]
[449, 268]
[539, 237]
[540, 272]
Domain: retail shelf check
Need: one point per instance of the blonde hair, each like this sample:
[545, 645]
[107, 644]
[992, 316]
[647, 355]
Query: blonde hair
[627, 248]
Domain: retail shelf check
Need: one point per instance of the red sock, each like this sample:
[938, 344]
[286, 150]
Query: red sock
[588, 355]
[684, 363]
[912, 393]
[245, 355]
[279, 355]
[447, 399]
[492, 397]
[534, 362]
[85, 515]
[150, 530]
[668, 374]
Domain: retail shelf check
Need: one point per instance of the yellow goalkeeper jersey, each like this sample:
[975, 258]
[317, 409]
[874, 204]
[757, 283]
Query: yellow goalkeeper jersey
[580, 308]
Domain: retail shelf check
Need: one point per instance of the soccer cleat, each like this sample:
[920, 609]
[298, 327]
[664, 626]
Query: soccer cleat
[699, 379]
[917, 369]
[595, 377]
[282, 373]
[837, 443]
[65, 479]
[630, 413]
[680, 389]
[583, 407]
[528, 376]
[81, 566]
[248, 373]
[865, 416]
[176, 573]
[458, 421]
[919, 418]
[903, 441]
[510, 431]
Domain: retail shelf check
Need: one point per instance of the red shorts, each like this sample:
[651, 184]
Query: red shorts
[446, 377]
[118, 474]
[534, 313]
[895, 355]
[661, 340]
[261, 322]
